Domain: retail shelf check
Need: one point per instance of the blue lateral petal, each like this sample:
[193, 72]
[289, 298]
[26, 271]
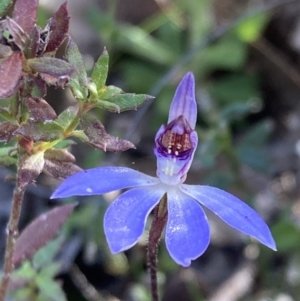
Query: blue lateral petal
[101, 180]
[125, 218]
[187, 231]
[184, 101]
[232, 211]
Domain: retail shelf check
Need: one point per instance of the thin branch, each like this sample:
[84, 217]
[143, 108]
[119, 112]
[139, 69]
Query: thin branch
[12, 233]
[86, 288]
[278, 59]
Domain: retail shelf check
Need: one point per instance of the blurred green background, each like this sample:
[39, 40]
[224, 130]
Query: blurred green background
[248, 91]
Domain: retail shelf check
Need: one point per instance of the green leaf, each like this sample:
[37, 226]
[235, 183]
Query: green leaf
[79, 80]
[51, 270]
[81, 135]
[139, 42]
[24, 293]
[109, 91]
[67, 116]
[124, 102]
[4, 113]
[5, 150]
[45, 255]
[4, 4]
[132, 39]
[7, 161]
[100, 71]
[25, 271]
[251, 29]
[50, 288]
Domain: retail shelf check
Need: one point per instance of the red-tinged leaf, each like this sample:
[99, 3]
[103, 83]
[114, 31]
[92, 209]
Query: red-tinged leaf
[58, 28]
[33, 45]
[59, 155]
[98, 137]
[30, 168]
[59, 163]
[40, 231]
[60, 170]
[53, 66]
[10, 73]
[40, 131]
[39, 109]
[25, 13]
[7, 130]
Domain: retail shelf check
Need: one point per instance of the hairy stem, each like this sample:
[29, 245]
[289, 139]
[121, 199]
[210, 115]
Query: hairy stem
[12, 233]
[158, 224]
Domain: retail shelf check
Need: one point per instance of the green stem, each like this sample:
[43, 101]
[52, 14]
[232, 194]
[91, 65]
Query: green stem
[158, 224]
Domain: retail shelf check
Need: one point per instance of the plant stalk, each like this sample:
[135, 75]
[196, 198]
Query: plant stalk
[12, 234]
[158, 224]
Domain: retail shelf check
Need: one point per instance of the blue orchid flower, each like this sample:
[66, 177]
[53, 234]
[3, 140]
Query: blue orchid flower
[187, 233]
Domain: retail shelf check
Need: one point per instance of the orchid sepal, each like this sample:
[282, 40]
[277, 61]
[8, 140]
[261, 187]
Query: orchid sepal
[184, 101]
[232, 211]
[99, 180]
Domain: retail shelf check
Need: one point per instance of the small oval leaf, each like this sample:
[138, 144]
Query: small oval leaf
[7, 130]
[40, 131]
[10, 73]
[39, 109]
[25, 13]
[58, 28]
[98, 137]
[30, 168]
[40, 231]
[52, 66]
[100, 70]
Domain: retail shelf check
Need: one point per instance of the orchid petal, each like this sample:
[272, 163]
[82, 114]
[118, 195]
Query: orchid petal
[101, 180]
[184, 101]
[232, 211]
[125, 218]
[187, 231]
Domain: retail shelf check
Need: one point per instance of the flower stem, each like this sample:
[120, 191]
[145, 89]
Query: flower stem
[12, 233]
[158, 224]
